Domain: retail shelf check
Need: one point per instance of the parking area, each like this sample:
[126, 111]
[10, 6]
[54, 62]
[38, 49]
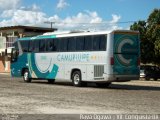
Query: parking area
[39, 97]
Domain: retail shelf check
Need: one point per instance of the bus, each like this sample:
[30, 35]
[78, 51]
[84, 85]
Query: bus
[101, 57]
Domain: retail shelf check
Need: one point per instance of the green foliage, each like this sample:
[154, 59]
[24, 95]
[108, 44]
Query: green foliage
[150, 37]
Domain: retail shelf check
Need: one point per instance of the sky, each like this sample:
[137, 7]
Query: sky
[76, 14]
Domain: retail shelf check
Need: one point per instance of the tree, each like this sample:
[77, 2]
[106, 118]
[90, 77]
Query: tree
[150, 37]
[153, 32]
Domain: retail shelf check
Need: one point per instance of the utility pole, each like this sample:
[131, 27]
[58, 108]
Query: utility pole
[51, 23]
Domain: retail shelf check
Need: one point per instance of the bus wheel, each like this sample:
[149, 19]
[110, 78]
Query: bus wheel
[26, 76]
[76, 79]
[102, 85]
[51, 81]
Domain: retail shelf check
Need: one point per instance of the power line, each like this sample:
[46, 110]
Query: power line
[103, 22]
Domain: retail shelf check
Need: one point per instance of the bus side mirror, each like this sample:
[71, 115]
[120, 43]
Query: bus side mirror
[14, 55]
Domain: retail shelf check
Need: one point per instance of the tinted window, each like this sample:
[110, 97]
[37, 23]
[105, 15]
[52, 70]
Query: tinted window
[24, 45]
[88, 43]
[71, 44]
[96, 42]
[49, 45]
[103, 43]
[36, 46]
[63, 44]
[30, 46]
[56, 46]
[42, 45]
[80, 43]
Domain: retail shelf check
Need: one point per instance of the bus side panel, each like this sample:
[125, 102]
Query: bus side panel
[69, 67]
[41, 66]
[17, 66]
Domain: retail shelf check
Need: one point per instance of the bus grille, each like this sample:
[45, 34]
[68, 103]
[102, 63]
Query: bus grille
[98, 70]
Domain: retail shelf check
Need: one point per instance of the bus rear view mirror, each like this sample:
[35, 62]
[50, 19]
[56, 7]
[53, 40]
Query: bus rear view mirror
[14, 55]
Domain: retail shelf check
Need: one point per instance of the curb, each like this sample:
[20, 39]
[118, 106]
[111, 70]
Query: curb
[4, 73]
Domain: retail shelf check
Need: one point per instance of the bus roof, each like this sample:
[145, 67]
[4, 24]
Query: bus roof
[74, 33]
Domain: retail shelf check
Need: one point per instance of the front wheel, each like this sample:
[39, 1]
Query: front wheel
[26, 76]
[77, 80]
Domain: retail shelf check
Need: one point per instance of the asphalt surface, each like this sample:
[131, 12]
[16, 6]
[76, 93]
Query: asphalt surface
[39, 97]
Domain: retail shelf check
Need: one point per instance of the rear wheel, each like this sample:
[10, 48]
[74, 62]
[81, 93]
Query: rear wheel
[26, 76]
[77, 80]
[103, 85]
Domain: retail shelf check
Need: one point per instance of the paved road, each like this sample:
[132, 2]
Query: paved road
[39, 97]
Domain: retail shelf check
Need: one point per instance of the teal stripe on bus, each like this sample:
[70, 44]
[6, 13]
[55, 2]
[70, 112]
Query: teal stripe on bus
[38, 37]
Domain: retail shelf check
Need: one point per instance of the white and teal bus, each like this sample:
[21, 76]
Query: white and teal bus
[100, 57]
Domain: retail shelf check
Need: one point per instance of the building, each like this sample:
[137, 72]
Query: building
[10, 34]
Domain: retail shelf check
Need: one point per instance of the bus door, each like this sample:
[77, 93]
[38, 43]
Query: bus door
[126, 53]
[14, 63]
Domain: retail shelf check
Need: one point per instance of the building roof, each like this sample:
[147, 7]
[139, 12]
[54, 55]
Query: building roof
[28, 28]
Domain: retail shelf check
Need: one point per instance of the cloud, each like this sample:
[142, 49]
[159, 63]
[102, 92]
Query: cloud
[114, 22]
[88, 20]
[22, 17]
[115, 19]
[33, 7]
[62, 4]
[11, 4]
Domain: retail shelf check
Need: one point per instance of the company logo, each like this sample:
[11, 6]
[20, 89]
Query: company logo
[120, 46]
[125, 49]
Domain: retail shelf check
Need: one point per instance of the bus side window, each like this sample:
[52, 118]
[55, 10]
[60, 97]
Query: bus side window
[79, 43]
[30, 46]
[96, 42]
[56, 46]
[71, 44]
[35, 47]
[63, 44]
[42, 46]
[103, 43]
[49, 45]
[88, 43]
[24, 45]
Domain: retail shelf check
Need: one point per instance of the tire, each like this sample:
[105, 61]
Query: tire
[51, 81]
[102, 85]
[77, 79]
[26, 76]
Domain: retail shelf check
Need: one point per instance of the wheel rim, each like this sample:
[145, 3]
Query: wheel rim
[76, 79]
[26, 76]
